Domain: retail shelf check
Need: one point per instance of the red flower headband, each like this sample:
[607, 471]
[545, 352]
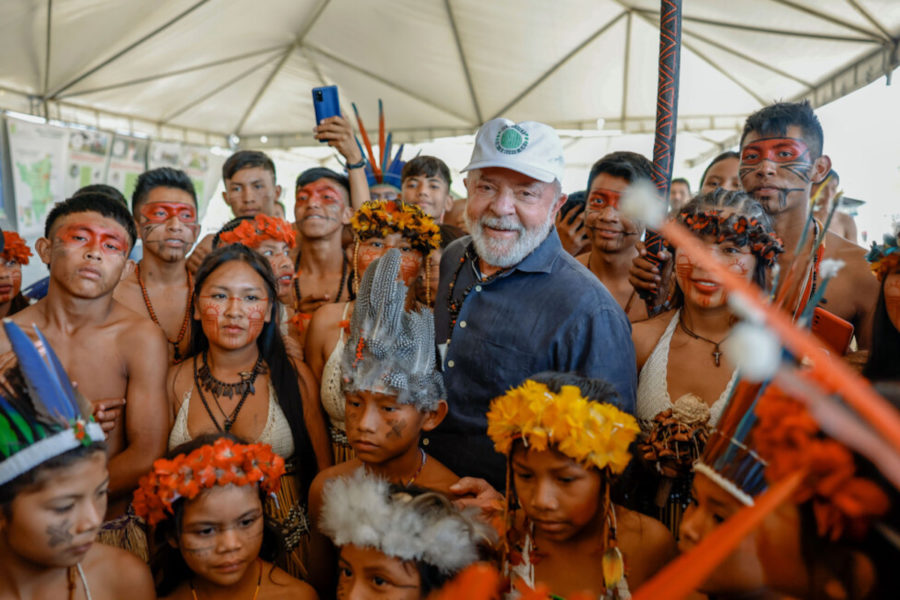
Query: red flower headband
[15, 248]
[252, 232]
[743, 231]
[789, 439]
[185, 476]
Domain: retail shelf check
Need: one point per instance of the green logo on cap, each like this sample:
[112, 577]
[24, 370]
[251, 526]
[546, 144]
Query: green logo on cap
[512, 139]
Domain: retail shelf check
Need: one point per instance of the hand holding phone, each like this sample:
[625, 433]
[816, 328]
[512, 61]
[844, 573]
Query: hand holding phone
[325, 103]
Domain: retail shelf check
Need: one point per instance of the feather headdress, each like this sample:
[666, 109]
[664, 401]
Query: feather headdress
[361, 509]
[41, 416]
[381, 169]
[391, 350]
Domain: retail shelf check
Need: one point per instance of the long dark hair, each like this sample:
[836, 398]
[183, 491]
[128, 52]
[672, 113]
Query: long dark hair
[18, 302]
[166, 561]
[282, 375]
[883, 363]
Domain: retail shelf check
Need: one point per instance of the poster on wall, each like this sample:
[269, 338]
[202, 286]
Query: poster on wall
[86, 160]
[127, 160]
[164, 154]
[38, 160]
[196, 162]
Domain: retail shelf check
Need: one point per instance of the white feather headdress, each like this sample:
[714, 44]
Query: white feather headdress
[360, 509]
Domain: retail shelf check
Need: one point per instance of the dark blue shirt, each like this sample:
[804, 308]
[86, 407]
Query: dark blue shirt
[548, 313]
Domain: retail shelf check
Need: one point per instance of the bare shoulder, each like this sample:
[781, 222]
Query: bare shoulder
[124, 574]
[281, 585]
[317, 487]
[133, 322]
[645, 335]
[855, 277]
[436, 476]
[583, 258]
[645, 535]
[25, 318]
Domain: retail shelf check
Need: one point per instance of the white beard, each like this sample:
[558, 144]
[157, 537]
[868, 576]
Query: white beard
[503, 253]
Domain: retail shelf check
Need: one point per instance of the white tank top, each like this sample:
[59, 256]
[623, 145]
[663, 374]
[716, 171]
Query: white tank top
[330, 391]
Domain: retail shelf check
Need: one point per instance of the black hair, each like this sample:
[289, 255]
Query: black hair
[41, 473]
[882, 363]
[684, 181]
[592, 388]
[574, 205]
[247, 159]
[102, 188]
[774, 120]
[630, 166]
[161, 177]
[282, 374]
[18, 302]
[316, 173]
[96, 202]
[229, 226]
[724, 156]
[283, 207]
[449, 234]
[429, 166]
[741, 203]
[167, 563]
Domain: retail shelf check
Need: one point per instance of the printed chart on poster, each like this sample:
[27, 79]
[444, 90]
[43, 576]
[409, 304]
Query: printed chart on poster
[38, 159]
[86, 164]
[127, 160]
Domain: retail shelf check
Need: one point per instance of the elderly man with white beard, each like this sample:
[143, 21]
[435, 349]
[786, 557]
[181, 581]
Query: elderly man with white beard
[511, 301]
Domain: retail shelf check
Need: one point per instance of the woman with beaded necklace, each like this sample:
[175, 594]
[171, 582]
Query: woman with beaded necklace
[378, 225]
[239, 380]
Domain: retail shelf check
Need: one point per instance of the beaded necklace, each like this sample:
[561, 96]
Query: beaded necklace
[213, 385]
[340, 291]
[176, 343]
[454, 305]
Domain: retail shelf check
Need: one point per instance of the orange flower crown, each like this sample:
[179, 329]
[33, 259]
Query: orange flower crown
[380, 218]
[222, 463]
[253, 232]
[15, 248]
[788, 437]
[884, 258]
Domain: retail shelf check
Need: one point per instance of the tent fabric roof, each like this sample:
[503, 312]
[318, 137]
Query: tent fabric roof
[203, 70]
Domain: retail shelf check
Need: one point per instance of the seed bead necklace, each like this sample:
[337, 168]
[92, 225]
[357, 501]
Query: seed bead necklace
[716, 353]
[176, 343]
[455, 305]
[340, 291]
[245, 386]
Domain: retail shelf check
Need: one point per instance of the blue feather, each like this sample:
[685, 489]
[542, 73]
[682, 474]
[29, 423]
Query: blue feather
[44, 387]
[61, 374]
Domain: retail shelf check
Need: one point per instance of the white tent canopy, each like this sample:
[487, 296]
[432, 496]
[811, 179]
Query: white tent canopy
[201, 71]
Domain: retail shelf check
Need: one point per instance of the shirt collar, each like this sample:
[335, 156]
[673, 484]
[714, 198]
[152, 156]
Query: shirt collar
[543, 257]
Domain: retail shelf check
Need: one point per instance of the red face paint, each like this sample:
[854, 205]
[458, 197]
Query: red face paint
[778, 150]
[373, 248]
[90, 236]
[10, 280]
[324, 191]
[232, 321]
[601, 198]
[162, 212]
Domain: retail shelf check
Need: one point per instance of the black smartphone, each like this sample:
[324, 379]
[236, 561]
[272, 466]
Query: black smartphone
[325, 103]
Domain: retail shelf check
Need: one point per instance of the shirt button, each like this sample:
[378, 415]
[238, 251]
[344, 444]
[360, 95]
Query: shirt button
[451, 364]
[477, 288]
[462, 324]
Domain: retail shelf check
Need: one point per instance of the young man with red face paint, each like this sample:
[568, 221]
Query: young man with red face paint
[108, 349]
[613, 235]
[780, 161]
[250, 188]
[164, 206]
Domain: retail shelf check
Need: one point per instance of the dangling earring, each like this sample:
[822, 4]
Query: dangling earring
[356, 266]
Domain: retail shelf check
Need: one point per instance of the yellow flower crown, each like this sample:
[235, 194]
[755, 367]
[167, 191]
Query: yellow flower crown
[380, 218]
[593, 433]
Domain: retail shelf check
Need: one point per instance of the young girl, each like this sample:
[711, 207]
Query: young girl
[392, 387]
[53, 486]
[15, 254]
[563, 451]
[395, 542]
[212, 536]
[378, 226]
[240, 381]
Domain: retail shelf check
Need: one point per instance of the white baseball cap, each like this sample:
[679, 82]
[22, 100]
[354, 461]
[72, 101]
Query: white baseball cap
[528, 147]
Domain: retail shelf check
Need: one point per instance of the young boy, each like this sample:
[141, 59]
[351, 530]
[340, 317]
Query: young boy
[392, 388]
[53, 487]
[426, 183]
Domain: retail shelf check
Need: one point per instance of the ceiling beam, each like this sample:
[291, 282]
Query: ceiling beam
[48, 48]
[264, 87]
[870, 18]
[127, 49]
[209, 65]
[559, 64]
[832, 19]
[464, 62]
[215, 91]
[626, 64]
[768, 30]
[384, 81]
